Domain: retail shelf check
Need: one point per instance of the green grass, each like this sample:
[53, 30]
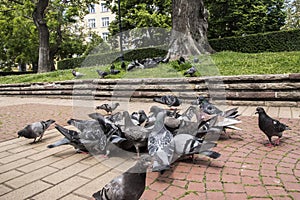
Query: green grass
[222, 63]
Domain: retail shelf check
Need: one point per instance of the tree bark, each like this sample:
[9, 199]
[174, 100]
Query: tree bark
[44, 64]
[189, 29]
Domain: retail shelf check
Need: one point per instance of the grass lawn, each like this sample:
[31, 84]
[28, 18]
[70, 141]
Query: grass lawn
[222, 63]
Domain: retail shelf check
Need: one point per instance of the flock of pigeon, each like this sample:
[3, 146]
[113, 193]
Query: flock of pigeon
[140, 64]
[163, 136]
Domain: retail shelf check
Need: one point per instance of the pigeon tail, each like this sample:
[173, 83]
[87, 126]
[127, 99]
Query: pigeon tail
[63, 141]
[211, 154]
[69, 134]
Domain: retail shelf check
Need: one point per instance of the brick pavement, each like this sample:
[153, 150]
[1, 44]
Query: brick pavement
[246, 170]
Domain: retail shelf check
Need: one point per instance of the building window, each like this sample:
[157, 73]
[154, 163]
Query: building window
[105, 21]
[104, 8]
[91, 23]
[92, 8]
[104, 36]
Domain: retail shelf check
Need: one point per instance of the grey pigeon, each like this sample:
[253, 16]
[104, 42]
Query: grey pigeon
[34, 130]
[83, 124]
[166, 59]
[109, 108]
[128, 186]
[137, 134]
[169, 100]
[160, 136]
[102, 74]
[77, 74]
[206, 106]
[91, 140]
[191, 71]
[114, 71]
[270, 127]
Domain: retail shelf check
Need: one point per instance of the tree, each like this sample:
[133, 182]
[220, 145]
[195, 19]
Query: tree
[238, 17]
[139, 14]
[189, 29]
[52, 21]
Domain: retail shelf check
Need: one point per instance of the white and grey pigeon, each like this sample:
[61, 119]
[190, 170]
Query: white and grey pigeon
[271, 127]
[169, 100]
[160, 136]
[77, 74]
[109, 108]
[128, 186]
[182, 145]
[137, 134]
[191, 71]
[34, 130]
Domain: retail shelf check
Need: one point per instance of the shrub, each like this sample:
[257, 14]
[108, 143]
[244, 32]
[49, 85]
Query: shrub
[263, 42]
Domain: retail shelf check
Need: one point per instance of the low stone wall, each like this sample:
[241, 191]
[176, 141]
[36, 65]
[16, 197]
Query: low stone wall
[275, 90]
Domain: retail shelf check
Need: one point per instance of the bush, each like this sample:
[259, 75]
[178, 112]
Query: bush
[106, 59]
[263, 42]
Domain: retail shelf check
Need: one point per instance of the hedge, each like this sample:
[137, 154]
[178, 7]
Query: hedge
[262, 42]
[106, 59]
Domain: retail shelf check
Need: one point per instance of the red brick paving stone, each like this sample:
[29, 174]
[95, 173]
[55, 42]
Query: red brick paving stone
[179, 183]
[287, 178]
[250, 180]
[235, 196]
[150, 195]
[292, 186]
[231, 178]
[256, 191]
[194, 186]
[271, 181]
[214, 186]
[165, 197]
[268, 173]
[295, 195]
[174, 192]
[215, 195]
[281, 198]
[192, 196]
[276, 191]
[234, 188]
[284, 170]
[159, 186]
[197, 170]
[232, 165]
[182, 168]
[178, 175]
[195, 177]
[233, 171]
[251, 173]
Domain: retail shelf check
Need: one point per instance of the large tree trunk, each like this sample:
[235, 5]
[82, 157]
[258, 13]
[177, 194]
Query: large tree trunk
[189, 29]
[44, 64]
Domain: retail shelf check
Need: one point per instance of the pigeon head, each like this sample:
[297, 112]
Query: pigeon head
[260, 110]
[21, 133]
[144, 162]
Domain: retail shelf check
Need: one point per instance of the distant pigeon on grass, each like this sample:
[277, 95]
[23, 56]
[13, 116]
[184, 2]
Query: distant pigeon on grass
[109, 108]
[34, 130]
[128, 186]
[77, 74]
[114, 71]
[191, 71]
[271, 127]
[181, 60]
[102, 74]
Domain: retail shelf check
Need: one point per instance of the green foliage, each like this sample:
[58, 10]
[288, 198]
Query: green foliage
[137, 14]
[238, 17]
[263, 42]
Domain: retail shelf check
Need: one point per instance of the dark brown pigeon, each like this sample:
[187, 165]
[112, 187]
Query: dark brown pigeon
[129, 185]
[271, 127]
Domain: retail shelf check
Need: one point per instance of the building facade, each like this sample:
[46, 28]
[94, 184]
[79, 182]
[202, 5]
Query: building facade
[98, 19]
